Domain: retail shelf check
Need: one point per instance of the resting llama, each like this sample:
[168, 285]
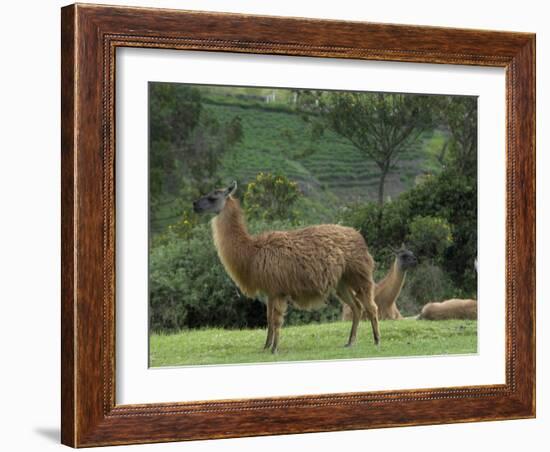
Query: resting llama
[388, 289]
[455, 308]
[302, 266]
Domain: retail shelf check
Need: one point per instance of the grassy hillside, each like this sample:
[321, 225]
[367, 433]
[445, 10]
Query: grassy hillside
[329, 170]
[313, 342]
[278, 140]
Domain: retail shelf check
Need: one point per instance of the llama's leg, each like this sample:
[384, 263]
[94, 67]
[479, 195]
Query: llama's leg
[278, 317]
[366, 297]
[269, 310]
[346, 297]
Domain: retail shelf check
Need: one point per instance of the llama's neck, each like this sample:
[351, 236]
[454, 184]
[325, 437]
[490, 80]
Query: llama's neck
[233, 242]
[390, 287]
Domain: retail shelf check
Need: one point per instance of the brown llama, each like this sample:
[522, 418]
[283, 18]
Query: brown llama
[450, 309]
[388, 289]
[302, 266]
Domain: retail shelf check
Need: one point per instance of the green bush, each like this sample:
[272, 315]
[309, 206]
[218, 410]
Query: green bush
[384, 227]
[182, 229]
[430, 236]
[449, 197]
[452, 196]
[427, 282]
[271, 197]
[189, 288]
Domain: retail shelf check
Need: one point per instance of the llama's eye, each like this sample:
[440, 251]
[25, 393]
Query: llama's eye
[211, 198]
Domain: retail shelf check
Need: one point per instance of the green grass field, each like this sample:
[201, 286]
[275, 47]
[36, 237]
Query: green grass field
[313, 342]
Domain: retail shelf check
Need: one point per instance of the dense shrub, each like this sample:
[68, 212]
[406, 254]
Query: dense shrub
[430, 236]
[270, 197]
[450, 197]
[384, 227]
[189, 287]
[427, 282]
[182, 229]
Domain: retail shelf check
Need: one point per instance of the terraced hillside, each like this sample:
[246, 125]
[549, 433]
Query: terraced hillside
[278, 140]
[329, 170]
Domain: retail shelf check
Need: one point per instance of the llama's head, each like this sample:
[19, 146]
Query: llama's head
[214, 201]
[405, 258]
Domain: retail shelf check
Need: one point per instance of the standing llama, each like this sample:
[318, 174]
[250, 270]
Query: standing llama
[302, 266]
[388, 289]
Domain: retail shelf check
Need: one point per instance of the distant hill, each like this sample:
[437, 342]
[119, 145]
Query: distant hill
[329, 170]
[277, 140]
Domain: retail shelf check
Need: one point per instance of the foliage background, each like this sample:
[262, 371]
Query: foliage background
[299, 159]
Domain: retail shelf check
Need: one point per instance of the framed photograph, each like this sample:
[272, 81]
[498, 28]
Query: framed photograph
[281, 225]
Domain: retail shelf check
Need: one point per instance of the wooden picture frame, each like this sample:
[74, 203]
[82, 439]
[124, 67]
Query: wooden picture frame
[90, 36]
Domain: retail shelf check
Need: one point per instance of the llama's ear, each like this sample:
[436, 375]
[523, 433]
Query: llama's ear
[231, 189]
